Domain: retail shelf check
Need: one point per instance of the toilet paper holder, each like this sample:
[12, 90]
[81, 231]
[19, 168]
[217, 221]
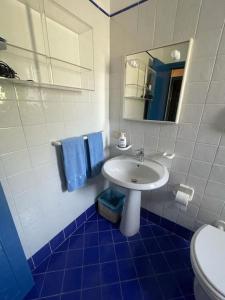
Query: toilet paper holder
[186, 190]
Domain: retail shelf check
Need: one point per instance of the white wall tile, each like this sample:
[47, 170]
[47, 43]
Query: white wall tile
[21, 182]
[41, 154]
[195, 93]
[36, 135]
[53, 112]
[12, 139]
[9, 114]
[186, 10]
[200, 69]
[7, 90]
[218, 173]
[200, 169]
[206, 43]
[204, 152]
[191, 113]
[206, 216]
[31, 112]
[25, 93]
[220, 156]
[219, 69]
[211, 15]
[16, 162]
[214, 114]
[187, 131]
[212, 204]
[180, 164]
[208, 134]
[184, 148]
[216, 92]
[215, 189]
[165, 21]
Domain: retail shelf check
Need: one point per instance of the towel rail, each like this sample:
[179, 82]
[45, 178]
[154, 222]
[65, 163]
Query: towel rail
[58, 143]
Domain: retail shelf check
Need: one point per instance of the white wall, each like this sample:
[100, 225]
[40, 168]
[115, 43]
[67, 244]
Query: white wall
[199, 139]
[30, 118]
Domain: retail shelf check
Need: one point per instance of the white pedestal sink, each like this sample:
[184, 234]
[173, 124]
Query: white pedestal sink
[136, 176]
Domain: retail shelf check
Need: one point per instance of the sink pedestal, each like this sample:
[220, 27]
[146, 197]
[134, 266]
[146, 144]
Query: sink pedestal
[130, 222]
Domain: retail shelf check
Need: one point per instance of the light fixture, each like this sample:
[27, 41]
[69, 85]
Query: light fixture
[133, 63]
[175, 54]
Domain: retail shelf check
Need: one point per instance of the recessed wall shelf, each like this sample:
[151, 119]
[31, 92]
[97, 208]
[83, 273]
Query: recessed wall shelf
[52, 47]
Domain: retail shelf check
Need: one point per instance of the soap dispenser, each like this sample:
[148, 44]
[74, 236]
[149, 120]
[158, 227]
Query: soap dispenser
[122, 140]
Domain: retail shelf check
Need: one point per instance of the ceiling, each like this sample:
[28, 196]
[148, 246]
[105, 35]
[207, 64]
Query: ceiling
[114, 6]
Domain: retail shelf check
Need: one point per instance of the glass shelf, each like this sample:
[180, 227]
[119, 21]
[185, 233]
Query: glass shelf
[54, 46]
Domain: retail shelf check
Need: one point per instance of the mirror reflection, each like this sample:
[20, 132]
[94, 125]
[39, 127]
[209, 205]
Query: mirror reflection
[153, 81]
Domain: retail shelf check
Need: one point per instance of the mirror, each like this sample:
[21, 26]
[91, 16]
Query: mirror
[154, 82]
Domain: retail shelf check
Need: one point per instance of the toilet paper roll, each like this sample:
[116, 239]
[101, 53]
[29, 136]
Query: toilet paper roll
[181, 200]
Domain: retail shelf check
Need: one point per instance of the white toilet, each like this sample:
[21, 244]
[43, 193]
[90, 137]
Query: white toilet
[208, 262]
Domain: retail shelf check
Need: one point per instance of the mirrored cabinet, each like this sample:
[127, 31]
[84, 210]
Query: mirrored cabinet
[154, 82]
[50, 46]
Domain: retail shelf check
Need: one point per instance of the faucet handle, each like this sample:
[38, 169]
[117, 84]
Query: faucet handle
[140, 151]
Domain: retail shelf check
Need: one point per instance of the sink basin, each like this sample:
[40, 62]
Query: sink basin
[129, 173]
[136, 176]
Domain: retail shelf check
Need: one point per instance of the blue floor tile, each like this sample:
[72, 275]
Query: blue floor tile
[91, 227]
[169, 286]
[122, 250]
[91, 256]
[72, 280]
[107, 253]
[91, 240]
[111, 292]
[105, 237]
[131, 290]
[152, 246]
[36, 290]
[94, 293]
[126, 269]
[104, 225]
[146, 232]
[159, 263]
[71, 296]
[118, 237]
[52, 283]
[137, 248]
[175, 260]
[74, 258]
[165, 243]
[98, 262]
[76, 241]
[150, 289]
[91, 276]
[109, 273]
[143, 266]
[57, 261]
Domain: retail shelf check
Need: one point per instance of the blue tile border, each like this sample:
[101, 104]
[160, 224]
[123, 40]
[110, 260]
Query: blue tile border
[35, 260]
[119, 11]
[63, 235]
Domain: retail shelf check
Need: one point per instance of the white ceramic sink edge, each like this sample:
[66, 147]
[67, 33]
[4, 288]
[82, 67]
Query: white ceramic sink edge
[128, 172]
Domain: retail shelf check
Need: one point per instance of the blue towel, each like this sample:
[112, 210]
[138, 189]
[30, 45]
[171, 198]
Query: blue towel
[74, 159]
[96, 152]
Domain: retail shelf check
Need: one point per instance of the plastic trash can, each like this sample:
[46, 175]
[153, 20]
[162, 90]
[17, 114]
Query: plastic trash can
[110, 204]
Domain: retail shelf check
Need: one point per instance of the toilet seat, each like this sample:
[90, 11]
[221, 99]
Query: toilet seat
[208, 260]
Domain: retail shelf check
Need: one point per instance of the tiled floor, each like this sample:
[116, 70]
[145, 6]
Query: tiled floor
[97, 262]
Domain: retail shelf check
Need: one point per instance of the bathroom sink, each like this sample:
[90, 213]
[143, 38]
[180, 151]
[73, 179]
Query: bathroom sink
[129, 173]
[136, 176]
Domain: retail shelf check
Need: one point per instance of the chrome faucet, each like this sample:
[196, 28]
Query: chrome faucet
[140, 154]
